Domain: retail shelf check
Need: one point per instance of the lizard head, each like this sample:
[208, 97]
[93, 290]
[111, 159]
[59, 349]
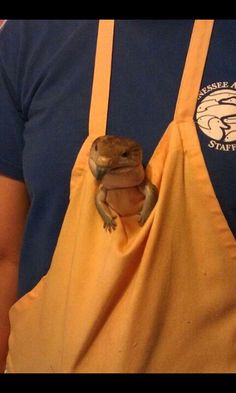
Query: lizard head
[114, 155]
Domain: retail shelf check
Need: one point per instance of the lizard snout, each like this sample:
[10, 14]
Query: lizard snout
[104, 161]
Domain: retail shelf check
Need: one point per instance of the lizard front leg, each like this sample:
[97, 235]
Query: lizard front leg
[104, 211]
[151, 195]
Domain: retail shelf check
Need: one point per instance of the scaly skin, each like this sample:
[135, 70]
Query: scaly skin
[116, 162]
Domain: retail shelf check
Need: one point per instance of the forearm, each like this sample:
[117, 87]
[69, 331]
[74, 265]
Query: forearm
[8, 289]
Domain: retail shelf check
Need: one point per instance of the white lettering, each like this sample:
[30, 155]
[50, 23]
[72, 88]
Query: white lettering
[227, 147]
[211, 144]
[225, 84]
[213, 86]
[220, 146]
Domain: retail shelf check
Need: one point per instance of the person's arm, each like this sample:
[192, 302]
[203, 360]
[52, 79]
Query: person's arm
[14, 204]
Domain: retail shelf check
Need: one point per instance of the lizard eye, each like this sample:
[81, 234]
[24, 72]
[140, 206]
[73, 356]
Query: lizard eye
[125, 154]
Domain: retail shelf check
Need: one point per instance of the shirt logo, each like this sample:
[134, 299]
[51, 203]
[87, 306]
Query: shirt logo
[216, 115]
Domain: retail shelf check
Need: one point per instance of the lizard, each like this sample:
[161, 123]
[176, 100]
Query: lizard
[116, 162]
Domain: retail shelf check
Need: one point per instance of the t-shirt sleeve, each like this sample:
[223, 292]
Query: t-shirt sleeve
[11, 118]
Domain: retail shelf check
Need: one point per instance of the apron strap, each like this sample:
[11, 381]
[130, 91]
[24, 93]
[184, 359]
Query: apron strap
[193, 69]
[101, 79]
[190, 83]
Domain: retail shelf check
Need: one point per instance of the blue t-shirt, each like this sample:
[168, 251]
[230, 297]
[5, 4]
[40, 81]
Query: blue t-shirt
[46, 73]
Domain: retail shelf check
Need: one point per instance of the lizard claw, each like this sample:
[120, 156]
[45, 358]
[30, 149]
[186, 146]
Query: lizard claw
[142, 219]
[110, 224]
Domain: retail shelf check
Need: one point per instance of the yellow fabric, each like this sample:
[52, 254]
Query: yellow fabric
[102, 74]
[154, 299]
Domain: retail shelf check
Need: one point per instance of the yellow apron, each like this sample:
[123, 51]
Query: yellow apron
[153, 299]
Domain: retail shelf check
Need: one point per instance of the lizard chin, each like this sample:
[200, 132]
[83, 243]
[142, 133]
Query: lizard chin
[101, 171]
[120, 169]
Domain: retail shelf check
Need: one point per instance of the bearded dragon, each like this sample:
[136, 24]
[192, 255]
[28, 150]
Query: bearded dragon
[116, 162]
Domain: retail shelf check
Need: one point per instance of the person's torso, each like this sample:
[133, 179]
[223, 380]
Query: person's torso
[55, 74]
